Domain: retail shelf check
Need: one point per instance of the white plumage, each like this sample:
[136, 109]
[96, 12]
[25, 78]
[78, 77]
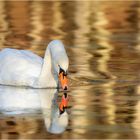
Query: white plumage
[19, 67]
[24, 68]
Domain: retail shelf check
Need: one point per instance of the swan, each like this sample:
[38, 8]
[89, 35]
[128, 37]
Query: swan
[23, 101]
[24, 68]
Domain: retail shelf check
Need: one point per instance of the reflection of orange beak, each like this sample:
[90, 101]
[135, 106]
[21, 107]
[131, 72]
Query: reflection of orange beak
[64, 103]
[64, 81]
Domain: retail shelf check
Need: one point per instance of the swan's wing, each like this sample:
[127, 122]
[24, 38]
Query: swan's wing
[19, 67]
[31, 56]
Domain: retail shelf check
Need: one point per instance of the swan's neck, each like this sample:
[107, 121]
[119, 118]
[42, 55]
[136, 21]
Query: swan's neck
[47, 77]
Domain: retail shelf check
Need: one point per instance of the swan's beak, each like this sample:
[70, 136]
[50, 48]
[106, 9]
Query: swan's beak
[63, 80]
[64, 103]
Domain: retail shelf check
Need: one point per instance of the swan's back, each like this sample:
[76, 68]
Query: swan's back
[19, 67]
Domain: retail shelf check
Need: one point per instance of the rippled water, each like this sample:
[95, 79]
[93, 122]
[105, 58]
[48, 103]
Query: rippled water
[103, 44]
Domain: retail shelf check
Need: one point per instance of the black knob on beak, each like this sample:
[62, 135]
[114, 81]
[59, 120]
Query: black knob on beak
[65, 88]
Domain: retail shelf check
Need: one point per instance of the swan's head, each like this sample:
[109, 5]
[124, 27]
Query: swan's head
[60, 62]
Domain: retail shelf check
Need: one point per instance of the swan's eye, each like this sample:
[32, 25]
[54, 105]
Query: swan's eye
[62, 71]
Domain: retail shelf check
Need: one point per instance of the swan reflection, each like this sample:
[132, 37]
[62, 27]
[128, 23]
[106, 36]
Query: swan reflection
[16, 101]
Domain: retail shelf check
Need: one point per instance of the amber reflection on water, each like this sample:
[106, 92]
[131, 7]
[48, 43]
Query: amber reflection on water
[102, 42]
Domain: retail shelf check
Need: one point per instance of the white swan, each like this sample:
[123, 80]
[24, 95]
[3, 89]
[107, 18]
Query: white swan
[17, 101]
[24, 68]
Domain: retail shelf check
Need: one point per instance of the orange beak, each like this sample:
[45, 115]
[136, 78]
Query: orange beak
[64, 103]
[64, 81]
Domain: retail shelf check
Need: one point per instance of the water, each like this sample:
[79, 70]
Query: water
[103, 45]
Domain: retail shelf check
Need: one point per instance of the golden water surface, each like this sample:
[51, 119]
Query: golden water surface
[102, 40]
